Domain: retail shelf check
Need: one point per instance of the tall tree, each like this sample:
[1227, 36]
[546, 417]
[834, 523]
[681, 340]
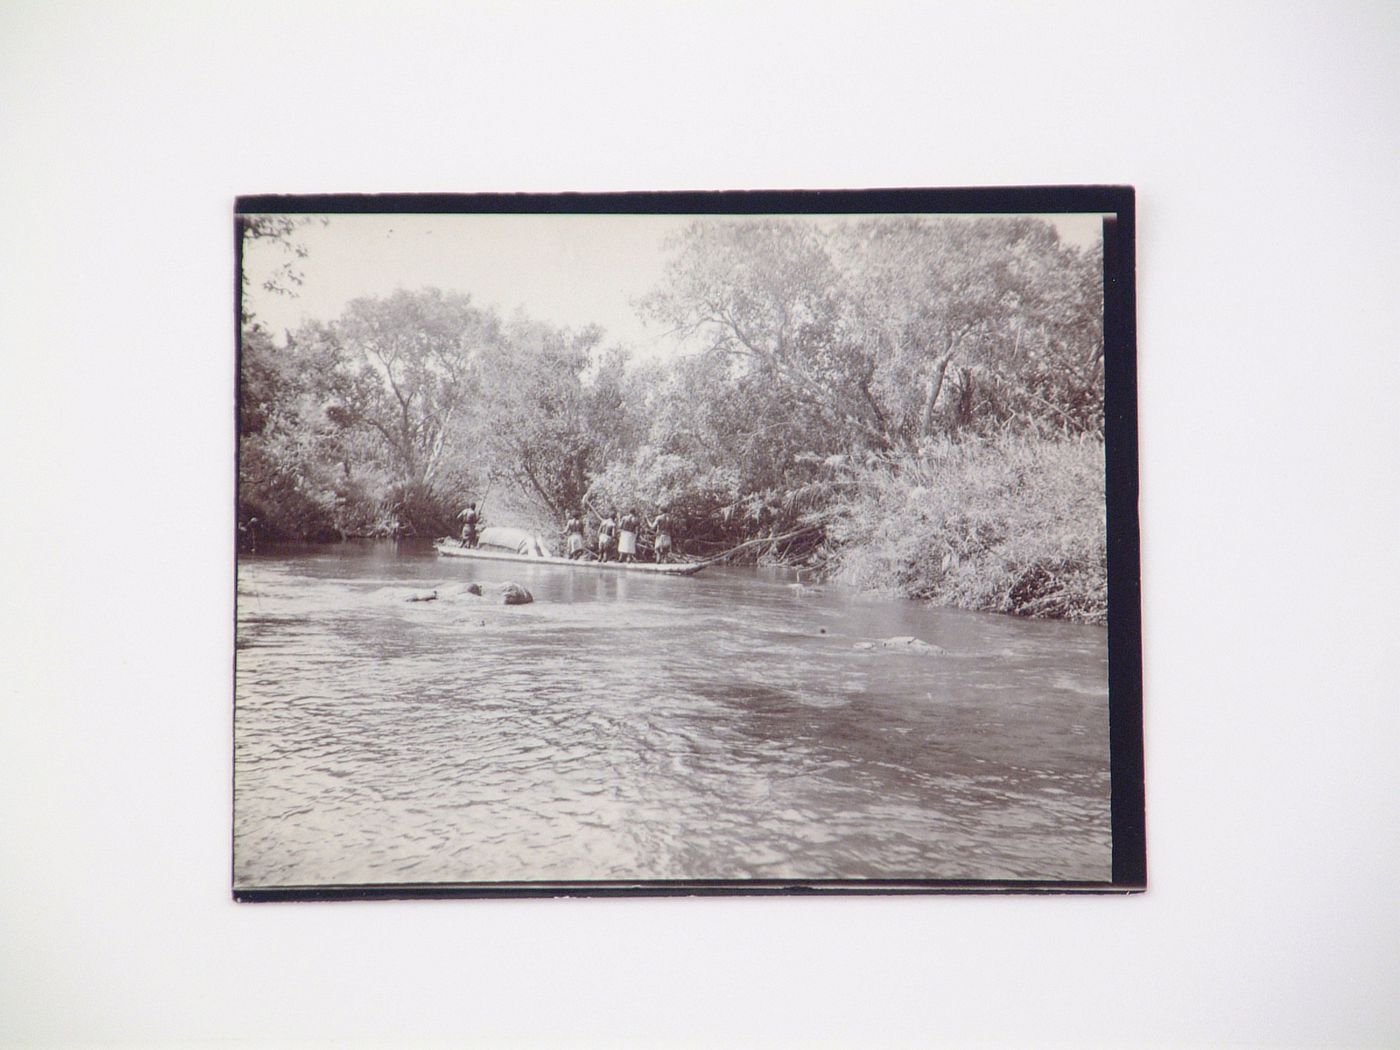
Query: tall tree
[416, 352]
[765, 294]
[788, 386]
[973, 321]
[550, 411]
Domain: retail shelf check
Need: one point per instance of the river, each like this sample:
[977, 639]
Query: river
[624, 727]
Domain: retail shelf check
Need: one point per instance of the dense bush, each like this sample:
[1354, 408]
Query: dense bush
[420, 510]
[1013, 524]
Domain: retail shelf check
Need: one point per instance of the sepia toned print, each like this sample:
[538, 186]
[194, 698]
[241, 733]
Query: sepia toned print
[632, 548]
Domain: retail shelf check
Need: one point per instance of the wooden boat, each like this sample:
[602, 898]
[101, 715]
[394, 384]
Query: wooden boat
[452, 549]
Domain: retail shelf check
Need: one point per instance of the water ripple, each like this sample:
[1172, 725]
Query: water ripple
[715, 727]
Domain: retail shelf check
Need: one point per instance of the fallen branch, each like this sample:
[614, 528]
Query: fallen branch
[763, 539]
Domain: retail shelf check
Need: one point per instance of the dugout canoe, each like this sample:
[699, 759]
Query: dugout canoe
[452, 549]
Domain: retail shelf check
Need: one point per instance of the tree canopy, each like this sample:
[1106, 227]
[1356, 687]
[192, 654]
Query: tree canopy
[812, 351]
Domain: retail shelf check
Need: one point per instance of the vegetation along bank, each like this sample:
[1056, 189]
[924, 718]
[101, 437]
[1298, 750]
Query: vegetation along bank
[907, 404]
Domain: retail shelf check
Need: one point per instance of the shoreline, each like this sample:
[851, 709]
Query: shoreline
[827, 575]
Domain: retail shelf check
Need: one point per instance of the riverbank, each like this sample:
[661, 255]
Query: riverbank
[1010, 525]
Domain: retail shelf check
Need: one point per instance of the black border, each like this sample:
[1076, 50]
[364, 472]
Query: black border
[1117, 203]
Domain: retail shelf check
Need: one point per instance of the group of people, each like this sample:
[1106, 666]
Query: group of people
[618, 534]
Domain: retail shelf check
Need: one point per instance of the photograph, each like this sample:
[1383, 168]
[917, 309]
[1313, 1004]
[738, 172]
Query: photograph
[683, 543]
[641, 527]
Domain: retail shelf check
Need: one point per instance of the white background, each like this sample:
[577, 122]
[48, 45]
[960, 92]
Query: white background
[1263, 139]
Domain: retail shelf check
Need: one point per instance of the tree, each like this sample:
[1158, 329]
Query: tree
[550, 413]
[780, 386]
[273, 232]
[294, 458]
[996, 305]
[766, 294]
[416, 352]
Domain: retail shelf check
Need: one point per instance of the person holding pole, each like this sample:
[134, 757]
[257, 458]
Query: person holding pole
[661, 525]
[471, 520]
[607, 538]
[573, 532]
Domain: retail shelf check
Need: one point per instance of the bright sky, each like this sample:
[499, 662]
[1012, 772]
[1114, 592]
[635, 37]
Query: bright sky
[569, 270]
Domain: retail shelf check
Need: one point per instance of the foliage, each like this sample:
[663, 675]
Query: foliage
[539, 423]
[276, 231]
[651, 480]
[289, 445]
[918, 401]
[415, 352]
[1009, 524]
[411, 357]
[765, 297]
[976, 324]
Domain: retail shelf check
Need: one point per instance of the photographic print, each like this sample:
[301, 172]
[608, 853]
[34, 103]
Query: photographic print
[686, 543]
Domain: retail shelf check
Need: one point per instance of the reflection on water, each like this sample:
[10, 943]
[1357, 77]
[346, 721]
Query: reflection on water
[625, 727]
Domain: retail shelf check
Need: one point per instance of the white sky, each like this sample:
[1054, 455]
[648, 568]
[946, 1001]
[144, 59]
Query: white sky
[569, 270]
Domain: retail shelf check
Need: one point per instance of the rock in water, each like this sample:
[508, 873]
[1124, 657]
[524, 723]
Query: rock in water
[474, 588]
[431, 597]
[918, 646]
[909, 644]
[514, 594]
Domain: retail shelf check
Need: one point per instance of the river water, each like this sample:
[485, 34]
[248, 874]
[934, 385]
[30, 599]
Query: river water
[721, 726]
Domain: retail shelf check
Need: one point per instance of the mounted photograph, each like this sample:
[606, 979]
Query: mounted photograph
[686, 543]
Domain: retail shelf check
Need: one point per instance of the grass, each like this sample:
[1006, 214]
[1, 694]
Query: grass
[1013, 525]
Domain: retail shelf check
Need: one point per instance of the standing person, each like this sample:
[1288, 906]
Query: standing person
[607, 538]
[661, 525]
[627, 542]
[472, 520]
[573, 533]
